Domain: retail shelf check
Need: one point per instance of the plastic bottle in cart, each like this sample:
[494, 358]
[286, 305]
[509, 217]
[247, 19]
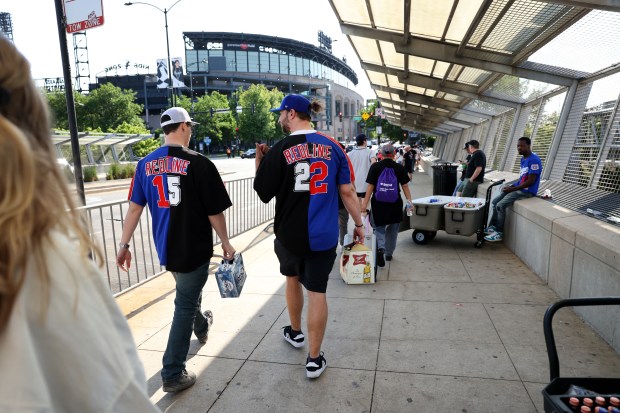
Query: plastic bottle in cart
[409, 209]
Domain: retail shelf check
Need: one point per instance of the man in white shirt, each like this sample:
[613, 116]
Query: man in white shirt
[361, 158]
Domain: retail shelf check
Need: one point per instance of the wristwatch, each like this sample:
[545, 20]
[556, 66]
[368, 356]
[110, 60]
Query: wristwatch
[121, 245]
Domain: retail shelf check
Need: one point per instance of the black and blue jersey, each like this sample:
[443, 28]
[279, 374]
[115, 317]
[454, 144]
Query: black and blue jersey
[303, 171]
[182, 188]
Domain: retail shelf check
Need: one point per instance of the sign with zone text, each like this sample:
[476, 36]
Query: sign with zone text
[83, 14]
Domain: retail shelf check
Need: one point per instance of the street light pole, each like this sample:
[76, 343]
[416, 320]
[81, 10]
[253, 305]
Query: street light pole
[170, 82]
[165, 11]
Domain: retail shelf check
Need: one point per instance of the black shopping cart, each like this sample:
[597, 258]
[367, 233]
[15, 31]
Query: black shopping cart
[558, 392]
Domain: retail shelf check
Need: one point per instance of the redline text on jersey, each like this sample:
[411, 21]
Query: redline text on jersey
[166, 164]
[302, 151]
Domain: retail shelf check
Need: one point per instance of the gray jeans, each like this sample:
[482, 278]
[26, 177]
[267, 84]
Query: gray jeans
[470, 188]
[503, 201]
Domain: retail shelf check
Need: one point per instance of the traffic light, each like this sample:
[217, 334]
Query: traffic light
[340, 116]
[211, 111]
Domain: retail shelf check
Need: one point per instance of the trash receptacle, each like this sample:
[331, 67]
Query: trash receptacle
[444, 178]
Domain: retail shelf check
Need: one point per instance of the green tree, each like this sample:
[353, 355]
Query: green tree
[220, 127]
[143, 148]
[389, 131]
[130, 128]
[105, 109]
[255, 121]
[108, 107]
[57, 102]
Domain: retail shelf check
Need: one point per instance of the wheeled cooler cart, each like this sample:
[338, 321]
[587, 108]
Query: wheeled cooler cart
[431, 214]
[558, 392]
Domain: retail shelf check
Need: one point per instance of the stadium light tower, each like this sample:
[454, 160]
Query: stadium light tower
[165, 11]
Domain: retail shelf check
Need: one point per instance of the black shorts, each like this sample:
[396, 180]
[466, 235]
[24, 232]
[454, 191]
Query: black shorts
[313, 269]
[361, 195]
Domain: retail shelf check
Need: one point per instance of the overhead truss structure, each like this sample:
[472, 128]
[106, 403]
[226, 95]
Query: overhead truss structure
[429, 60]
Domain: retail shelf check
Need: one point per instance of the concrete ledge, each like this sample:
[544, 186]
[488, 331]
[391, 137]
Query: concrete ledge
[594, 237]
[576, 255]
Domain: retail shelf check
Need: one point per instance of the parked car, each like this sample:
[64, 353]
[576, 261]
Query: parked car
[250, 153]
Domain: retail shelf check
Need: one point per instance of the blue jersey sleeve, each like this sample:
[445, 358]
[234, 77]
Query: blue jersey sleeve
[136, 190]
[345, 169]
[534, 165]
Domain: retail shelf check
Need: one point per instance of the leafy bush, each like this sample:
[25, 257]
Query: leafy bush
[90, 174]
[118, 171]
[114, 172]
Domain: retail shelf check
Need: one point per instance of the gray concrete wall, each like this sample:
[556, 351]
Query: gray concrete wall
[576, 255]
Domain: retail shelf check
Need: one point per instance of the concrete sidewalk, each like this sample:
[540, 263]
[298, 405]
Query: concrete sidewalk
[447, 328]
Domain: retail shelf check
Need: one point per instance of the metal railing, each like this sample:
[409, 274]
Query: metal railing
[106, 221]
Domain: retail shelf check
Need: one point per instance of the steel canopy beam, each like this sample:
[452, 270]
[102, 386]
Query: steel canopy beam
[417, 98]
[609, 5]
[484, 98]
[438, 118]
[414, 79]
[445, 52]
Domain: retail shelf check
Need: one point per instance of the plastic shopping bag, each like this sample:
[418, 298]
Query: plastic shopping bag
[230, 277]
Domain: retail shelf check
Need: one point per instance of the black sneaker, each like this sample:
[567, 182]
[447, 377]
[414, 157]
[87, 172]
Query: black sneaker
[185, 380]
[204, 336]
[388, 257]
[296, 339]
[314, 367]
[380, 258]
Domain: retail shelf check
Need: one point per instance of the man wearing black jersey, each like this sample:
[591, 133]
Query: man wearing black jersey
[305, 172]
[187, 199]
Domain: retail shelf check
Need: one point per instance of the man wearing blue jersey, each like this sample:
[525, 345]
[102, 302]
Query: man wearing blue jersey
[525, 187]
[305, 172]
[187, 199]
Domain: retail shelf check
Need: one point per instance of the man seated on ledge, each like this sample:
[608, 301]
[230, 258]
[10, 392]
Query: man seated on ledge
[525, 187]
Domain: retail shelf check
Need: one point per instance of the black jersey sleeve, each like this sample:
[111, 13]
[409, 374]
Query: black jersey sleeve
[270, 174]
[213, 193]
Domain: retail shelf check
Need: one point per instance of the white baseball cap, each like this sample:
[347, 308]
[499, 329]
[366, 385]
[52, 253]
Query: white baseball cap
[176, 115]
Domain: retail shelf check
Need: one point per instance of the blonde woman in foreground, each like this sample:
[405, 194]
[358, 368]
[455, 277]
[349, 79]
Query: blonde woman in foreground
[64, 344]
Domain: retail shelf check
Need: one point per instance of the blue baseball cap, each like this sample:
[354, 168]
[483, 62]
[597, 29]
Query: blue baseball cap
[297, 102]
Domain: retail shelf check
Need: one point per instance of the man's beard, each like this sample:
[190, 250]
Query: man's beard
[285, 128]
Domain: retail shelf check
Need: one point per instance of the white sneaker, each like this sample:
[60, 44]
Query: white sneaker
[314, 367]
[494, 237]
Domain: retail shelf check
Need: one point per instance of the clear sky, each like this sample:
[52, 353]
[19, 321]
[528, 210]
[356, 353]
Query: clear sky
[136, 33]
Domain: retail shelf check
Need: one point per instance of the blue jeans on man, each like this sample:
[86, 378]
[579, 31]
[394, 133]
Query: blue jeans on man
[187, 318]
[503, 201]
[386, 238]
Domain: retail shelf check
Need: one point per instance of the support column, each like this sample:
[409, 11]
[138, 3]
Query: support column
[510, 139]
[567, 129]
[605, 145]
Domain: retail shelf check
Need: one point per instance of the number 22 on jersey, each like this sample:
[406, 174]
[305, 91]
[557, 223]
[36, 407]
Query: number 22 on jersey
[310, 177]
[174, 190]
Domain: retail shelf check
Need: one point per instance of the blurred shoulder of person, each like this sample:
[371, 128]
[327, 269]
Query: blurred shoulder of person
[64, 343]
